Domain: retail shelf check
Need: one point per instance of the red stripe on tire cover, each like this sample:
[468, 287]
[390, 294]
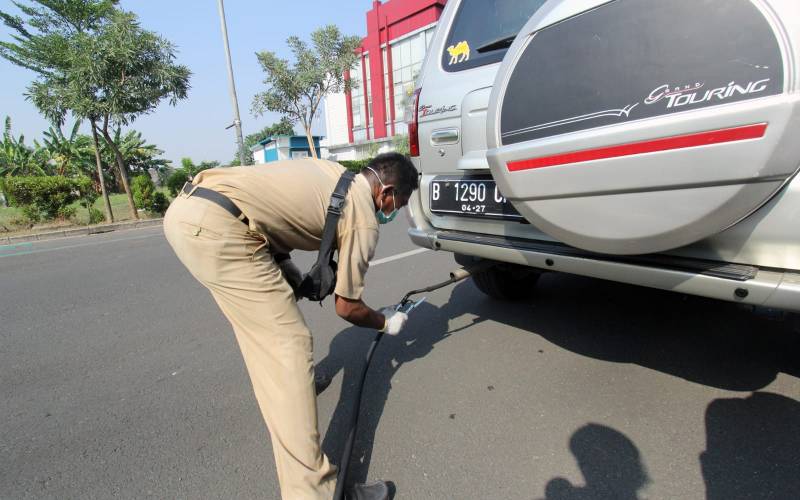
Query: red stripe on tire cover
[635, 148]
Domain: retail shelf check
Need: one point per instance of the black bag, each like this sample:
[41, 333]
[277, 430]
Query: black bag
[320, 281]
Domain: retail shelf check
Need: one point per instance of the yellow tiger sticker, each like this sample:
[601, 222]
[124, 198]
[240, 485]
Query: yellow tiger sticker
[458, 53]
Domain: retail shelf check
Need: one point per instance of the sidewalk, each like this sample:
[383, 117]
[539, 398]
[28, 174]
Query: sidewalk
[80, 231]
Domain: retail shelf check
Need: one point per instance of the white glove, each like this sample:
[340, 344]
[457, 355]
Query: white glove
[395, 321]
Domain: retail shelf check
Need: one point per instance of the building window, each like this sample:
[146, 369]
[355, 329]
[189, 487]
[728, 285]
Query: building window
[357, 99]
[368, 90]
[407, 57]
[357, 96]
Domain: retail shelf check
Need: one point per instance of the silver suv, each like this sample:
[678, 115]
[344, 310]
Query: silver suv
[651, 143]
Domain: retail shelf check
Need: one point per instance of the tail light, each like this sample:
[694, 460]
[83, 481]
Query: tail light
[412, 118]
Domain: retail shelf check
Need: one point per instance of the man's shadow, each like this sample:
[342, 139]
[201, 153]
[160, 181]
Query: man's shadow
[751, 452]
[610, 463]
[752, 448]
[427, 326]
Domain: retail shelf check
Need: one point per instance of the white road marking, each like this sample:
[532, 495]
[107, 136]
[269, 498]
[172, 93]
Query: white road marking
[25, 250]
[398, 256]
[67, 247]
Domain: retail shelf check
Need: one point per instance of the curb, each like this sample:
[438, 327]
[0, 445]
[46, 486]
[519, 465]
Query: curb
[81, 231]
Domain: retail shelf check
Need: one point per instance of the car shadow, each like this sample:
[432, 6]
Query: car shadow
[752, 442]
[709, 342]
[611, 465]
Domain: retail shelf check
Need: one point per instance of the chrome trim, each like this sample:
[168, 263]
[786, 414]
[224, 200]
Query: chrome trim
[442, 136]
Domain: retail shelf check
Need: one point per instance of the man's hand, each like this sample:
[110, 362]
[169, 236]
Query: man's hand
[395, 321]
[291, 273]
[388, 320]
[358, 313]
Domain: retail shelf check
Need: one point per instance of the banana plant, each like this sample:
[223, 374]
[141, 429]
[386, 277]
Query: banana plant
[139, 155]
[71, 154]
[16, 158]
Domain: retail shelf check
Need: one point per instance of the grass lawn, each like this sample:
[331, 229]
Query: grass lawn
[119, 207]
[12, 222]
[9, 215]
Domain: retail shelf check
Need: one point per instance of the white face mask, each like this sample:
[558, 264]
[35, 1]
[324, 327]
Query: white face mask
[382, 217]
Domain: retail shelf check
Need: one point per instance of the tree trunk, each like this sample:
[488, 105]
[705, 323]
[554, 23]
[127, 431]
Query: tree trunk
[311, 143]
[123, 175]
[101, 177]
[116, 181]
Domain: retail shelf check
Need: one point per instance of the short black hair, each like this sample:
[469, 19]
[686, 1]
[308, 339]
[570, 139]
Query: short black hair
[396, 169]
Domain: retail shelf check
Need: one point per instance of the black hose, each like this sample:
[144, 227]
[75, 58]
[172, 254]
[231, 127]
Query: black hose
[427, 289]
[341, 478]
[455, 276]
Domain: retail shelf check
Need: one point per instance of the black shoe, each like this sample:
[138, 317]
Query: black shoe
[376, 490]
[321, 382]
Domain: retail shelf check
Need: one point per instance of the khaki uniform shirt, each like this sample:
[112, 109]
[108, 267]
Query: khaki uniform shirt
[286, 201]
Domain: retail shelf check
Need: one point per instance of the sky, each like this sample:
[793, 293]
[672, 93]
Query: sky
[195, 128]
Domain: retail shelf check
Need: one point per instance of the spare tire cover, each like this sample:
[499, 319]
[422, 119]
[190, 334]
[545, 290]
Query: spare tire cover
[635, 126]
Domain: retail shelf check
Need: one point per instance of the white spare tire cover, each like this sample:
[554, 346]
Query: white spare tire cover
[638, 126]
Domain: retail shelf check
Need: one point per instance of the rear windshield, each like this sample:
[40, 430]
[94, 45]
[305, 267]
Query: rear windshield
[483, 30]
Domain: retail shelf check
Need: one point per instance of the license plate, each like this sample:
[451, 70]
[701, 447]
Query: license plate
[473, 197]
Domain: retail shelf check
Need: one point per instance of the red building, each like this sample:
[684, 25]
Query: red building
[398, 34]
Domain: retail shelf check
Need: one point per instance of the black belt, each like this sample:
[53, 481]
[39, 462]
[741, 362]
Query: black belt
[213, 196]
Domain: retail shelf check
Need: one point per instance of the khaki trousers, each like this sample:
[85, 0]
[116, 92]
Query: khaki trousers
[237, 268]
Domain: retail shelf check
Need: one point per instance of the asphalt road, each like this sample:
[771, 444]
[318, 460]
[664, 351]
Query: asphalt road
[119, 378]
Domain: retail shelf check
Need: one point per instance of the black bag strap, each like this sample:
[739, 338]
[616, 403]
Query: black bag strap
[328, 243]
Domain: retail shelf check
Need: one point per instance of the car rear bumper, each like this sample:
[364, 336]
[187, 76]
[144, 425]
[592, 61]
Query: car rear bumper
[730, 282]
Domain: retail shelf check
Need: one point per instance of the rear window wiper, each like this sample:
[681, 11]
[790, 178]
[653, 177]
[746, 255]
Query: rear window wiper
[503, 42]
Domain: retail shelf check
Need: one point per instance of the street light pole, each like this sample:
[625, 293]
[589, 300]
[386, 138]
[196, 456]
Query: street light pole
[237, 122]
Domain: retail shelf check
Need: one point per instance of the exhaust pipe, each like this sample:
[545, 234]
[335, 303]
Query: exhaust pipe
[455, 276]
[467, 271]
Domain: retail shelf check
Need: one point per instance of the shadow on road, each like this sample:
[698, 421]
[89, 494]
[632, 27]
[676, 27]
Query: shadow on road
[751, 452]
[752, 448]
[610, 464]
[752, 442]
[426, 326]
[709, 342]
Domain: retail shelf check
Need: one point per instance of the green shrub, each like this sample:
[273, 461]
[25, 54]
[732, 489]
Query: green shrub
[67, 213]
[46, 197]
[176, 180]
[354, 165]
[96, 216]
[146, 196]
[88, 196]
[31, 213]
[143, 189]
[160, 203]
